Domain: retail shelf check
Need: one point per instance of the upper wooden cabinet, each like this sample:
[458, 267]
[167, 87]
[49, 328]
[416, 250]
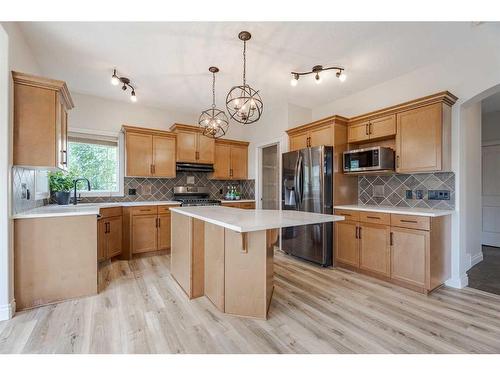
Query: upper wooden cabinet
[372, 129]
[149, 152]
[326, 132]
[41, 108]
[231, 160]
[192, 145]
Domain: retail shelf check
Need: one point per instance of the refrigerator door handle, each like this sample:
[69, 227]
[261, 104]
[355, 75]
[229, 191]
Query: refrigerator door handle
[296, 183]
[300, 184]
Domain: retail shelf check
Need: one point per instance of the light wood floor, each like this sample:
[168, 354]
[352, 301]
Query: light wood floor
[314, 310]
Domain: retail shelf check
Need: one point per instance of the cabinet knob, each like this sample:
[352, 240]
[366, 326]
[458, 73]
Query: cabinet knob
[397, 161]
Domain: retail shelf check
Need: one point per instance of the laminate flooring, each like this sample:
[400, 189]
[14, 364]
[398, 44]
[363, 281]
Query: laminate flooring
[314, 310]
[486, 274]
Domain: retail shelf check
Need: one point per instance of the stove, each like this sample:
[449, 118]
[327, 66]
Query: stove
[194, 196]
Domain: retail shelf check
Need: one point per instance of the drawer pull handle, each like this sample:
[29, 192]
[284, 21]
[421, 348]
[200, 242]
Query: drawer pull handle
[145, 210]
[373, 217]
[409, 221]
[391, 239]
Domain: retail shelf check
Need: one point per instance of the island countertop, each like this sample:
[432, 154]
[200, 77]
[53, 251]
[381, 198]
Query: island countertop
[241, 220]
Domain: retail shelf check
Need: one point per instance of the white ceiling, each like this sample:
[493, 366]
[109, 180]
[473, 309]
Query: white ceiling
[168, 62]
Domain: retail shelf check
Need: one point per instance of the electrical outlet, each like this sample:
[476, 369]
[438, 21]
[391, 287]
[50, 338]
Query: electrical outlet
[24, 191]
[419, 194]
[439, 195]
[132, 191]
[409, 194]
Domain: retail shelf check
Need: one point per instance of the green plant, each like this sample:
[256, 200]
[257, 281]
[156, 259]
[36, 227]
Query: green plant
[60, 181]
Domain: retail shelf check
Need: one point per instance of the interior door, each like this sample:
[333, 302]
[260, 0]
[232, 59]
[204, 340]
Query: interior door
[239, 163]
[164, 156]
[144, 233]
[206, 149]
[374, 248]
[491, 195]
[164, 232]
[270, 178]
[186, 147]
[139, 154]
[114, 236]
[222, 164]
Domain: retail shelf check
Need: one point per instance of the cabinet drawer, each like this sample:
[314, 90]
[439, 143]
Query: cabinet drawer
[350, 215]
[375, 217]
[110, 212]
[247, 205]
[144, 210]
[164, 209]
[411, 222]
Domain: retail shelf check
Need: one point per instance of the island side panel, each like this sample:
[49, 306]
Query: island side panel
[214, 264]
[198, 258]
[245, 273]
[272, 237]
[55, 259]
[180, 252]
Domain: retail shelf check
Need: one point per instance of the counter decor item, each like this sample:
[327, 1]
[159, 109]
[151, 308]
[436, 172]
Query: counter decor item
[60, 185]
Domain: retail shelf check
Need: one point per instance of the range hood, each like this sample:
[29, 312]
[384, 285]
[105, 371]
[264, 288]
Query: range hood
[194, 167]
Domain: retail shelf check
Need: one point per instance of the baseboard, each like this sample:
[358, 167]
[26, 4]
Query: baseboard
[458, 282]
[476, 259]
[7, 311]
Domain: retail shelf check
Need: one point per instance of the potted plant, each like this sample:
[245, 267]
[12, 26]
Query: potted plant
[61, 184]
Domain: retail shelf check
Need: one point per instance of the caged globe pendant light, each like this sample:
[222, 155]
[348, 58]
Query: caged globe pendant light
[243, 103]
[213, 121]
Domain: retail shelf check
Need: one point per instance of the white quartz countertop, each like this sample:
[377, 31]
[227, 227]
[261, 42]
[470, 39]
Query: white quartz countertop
[241, 220]
[237, 200]
[397, 210]
[54, 210]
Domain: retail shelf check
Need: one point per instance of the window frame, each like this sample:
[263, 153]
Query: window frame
[109, 136]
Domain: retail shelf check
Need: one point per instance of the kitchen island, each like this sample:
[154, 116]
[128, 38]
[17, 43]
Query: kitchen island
[226, 254]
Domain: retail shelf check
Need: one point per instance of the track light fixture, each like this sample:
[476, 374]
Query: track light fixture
[116, 80]
[316, 70]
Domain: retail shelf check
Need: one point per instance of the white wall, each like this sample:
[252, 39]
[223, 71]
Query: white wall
[491, 126]
[14, 55]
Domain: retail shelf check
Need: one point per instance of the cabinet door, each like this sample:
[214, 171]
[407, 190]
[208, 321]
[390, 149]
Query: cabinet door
[62, 135]
[139, 154]
[409, 255]
[163, 156]
[374, 248]
[206, 149]
[358, 132]
[239, 162]
[186, 146]
[164, 232]
[321, 136]
[383, 127]
[298, 141]
[114, 247]
[144, 233]
[418, 141]
[222, 164]
[346, 243]
[101, 240]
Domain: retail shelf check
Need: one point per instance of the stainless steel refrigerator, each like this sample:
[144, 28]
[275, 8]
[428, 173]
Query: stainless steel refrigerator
[307, 185]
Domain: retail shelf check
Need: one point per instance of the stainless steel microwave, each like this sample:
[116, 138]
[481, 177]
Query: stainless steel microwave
[369, 159]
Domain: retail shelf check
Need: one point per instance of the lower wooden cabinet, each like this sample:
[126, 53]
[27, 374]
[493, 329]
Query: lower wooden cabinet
[411, 251]
[109, 233]
[244, 205]
[144, 231]
[164, 232]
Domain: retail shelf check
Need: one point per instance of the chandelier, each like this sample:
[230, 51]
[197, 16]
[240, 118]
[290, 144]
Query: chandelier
[243, 103]
[213, 121]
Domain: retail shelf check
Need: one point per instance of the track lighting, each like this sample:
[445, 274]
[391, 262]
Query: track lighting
[316, 70]
[116, 80]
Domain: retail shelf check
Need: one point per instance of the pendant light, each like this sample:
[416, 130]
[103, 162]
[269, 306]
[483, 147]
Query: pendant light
[243, 103]
[213, 121]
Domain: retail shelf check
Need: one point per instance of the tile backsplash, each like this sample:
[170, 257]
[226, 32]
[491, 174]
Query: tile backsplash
[23, 186]
[154, 189]
[390, 190]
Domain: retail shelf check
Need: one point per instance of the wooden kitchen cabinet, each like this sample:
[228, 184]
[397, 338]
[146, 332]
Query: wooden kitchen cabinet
[298, 141]
[231, 160]
[40, 130]
[144, 233]
[149, 152]
[192, 145]
[371, 129]
[114, 246]
[407, 250]
[109, 233]
[236, 204]
[358, 132]
[327, 132]
[164, 234]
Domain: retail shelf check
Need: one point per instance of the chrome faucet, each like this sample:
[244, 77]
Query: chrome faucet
[75, 182]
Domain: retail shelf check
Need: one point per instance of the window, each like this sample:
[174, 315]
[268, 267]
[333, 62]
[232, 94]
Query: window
[97, 158]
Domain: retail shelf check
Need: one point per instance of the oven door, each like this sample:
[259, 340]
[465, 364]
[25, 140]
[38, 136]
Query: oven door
[361, 160]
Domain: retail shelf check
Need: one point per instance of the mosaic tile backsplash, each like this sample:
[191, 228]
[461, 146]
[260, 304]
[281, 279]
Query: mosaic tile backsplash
[23, 180]
[390, 190]
[154, 189]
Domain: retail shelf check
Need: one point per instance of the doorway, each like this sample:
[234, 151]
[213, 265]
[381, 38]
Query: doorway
[269, 181]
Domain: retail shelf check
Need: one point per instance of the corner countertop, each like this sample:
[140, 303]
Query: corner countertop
[241, 220]
[54, 210]
[237, 200]
[429, 212]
